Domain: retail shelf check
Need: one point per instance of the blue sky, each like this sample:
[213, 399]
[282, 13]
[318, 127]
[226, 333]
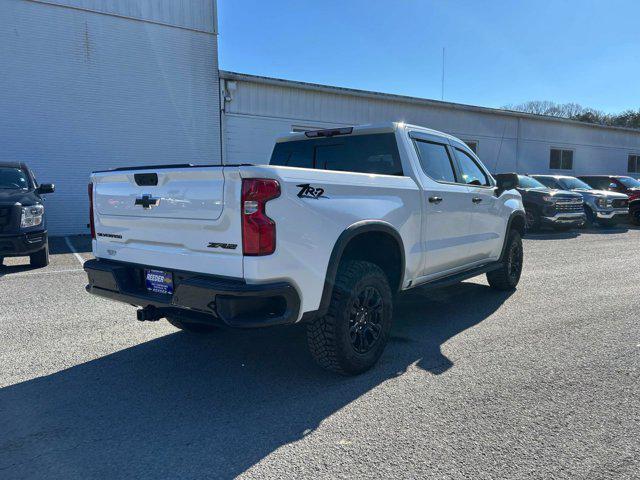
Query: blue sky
[497, 52]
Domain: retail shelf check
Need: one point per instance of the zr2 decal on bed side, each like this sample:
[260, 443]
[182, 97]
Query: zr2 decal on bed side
[307, 191]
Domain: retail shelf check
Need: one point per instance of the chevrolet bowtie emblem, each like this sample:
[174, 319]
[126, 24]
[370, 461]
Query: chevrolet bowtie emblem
[147, 201]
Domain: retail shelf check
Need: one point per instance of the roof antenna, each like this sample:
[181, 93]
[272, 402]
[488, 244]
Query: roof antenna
[504, 130]
[442, 87]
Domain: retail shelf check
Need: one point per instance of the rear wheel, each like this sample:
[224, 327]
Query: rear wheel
[508, 275]
[350, 338]
[190, 326]
[40, 259]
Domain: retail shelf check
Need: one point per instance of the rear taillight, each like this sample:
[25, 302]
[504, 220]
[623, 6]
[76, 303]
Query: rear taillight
[92, 225]
[258, 230]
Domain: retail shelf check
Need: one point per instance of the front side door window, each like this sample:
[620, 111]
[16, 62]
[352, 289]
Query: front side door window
[487, 223]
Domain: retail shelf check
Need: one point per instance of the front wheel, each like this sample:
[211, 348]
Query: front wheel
[40, 259]
[508, 275]
[350, 338]
[634, 217]
[532, 220]
[591, 218]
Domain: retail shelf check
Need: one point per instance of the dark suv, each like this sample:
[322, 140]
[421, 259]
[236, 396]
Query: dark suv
[621, 184]
[22, 222]
[559, 209]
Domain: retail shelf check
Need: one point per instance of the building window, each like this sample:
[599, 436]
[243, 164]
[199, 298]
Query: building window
[473, 145]
[561, 159]
[634, 164]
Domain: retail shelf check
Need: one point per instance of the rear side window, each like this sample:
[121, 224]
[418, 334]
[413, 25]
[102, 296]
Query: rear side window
[377, 154]
[435, 161]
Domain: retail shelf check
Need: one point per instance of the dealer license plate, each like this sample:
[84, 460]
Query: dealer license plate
[159, 281]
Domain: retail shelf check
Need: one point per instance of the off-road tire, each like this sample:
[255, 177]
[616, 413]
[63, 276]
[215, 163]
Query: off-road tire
[331, 337]
[190, 326]
[508, 275]
[40, 259]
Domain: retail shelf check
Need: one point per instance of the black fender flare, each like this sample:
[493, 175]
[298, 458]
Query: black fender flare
[514, 215]
[358, 228]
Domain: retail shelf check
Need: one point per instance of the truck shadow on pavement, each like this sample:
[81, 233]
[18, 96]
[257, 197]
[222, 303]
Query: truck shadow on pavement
[187, 406]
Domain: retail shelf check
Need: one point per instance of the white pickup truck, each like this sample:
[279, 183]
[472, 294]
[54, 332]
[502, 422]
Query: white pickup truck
[338, 223]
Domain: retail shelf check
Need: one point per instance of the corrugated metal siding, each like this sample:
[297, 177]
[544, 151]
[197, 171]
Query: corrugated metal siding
[192, 14]
[259, 112]
[82, 92]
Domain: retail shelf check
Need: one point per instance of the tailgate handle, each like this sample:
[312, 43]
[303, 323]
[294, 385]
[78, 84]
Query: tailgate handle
[146, 179]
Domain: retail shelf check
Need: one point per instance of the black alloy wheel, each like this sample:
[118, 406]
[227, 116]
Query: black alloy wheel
[514, 262]
[365, 319]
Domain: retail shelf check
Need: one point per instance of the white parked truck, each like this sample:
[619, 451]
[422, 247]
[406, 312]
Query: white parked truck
[338, 223]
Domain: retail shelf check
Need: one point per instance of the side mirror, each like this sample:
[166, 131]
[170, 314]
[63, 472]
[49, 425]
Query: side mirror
[46, 188]
[613, 186]
[506, 181]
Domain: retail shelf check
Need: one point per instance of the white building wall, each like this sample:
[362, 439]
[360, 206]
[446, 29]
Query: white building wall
[260, 110]
[82, 90]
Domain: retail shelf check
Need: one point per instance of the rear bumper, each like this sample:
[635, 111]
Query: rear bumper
[198, 297]
[21, 245]
[565, 218]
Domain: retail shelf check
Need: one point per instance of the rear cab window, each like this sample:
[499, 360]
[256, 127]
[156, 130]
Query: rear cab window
[369, 153]
[435, 161]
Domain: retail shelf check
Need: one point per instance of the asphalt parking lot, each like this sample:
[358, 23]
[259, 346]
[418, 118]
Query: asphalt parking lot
[540, 383]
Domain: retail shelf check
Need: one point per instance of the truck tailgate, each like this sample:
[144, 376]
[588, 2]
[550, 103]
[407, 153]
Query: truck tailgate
[185, 218]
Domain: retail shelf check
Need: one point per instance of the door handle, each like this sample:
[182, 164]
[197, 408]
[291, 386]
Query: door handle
[476, 199]
[435, 200]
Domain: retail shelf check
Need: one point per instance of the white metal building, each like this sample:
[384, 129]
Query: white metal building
[93, 84]
[258, 109]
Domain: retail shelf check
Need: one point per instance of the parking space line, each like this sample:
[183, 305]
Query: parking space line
[50, 272]
[75, 252]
